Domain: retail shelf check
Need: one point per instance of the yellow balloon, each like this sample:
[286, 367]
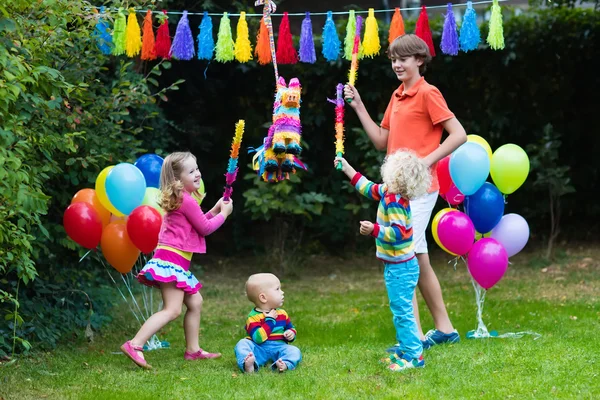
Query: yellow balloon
[482, 142]
[151, 199]
[434, 228]
[509, 167]
[101, 192]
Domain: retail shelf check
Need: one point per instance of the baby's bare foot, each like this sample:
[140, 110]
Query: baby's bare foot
[281, 366]
[249, 363]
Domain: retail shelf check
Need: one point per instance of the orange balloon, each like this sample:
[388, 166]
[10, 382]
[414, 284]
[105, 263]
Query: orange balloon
[117, 248]
[89, 196]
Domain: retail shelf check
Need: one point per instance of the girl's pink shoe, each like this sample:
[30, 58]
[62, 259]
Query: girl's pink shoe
[130, 351]
[200, 355]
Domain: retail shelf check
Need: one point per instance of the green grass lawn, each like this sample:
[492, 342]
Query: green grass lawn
[339, 307]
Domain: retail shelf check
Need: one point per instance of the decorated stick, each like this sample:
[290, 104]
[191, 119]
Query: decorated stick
[339, 123]
[232, 165]
[354, 63]
[269, 7]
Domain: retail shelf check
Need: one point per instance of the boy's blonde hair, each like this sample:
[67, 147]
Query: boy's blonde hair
[256, 284]
[406, 174]
[171, 187]
[410, 45]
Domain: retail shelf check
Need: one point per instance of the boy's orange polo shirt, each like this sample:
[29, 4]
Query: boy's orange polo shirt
[414, 121]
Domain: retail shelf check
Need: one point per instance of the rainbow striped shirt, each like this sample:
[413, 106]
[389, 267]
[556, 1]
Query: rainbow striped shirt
[261, 329]
[393, 231]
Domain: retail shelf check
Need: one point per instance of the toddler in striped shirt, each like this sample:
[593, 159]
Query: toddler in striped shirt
[405, 177]
[269, 328]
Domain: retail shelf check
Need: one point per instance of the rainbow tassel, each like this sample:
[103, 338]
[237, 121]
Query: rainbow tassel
[232, 165]
[496, 35]
[225, 43]
[355, 52]
[286, 53]
[243, 48]
[119, 33]
[449, 43]
[162, 47]
[396, 26]
[423, 30]
[148, 52]
[103, 38]
[339, 122]
[133, 35]
[206, 43]
[307, 45]
[371, 45]
[263, 50]
[331, 41]
[183, 42]
[469, 31]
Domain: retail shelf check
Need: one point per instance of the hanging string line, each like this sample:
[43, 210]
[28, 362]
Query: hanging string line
[302, 14]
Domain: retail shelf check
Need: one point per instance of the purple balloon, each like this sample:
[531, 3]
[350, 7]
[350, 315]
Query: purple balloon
[512, 232]
[487, 262]
[456, 232]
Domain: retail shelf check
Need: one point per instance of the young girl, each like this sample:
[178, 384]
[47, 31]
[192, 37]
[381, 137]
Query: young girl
[182, 234]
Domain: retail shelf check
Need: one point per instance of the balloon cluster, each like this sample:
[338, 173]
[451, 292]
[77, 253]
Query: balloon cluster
[481, 232]
[122, 212]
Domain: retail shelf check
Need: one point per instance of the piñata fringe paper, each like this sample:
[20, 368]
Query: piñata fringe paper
[183, 43]
[243, 48]
[350, 34]
[339, 123]
[162, 46]
[371, 45]
[225, 43]
[133, 35]
[263, 49]
[206, 43]
[396, 26]
[148, 52]
[307, 45]
[232, 165]
[103, 38]
[449, 43]
[286, 53]
[470, 37]
[496, 34]
[424, 31]
[119, 33]
[331, 41]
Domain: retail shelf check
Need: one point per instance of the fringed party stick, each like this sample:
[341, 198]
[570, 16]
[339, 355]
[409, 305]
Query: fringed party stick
[269, 7]
[232, 166]
[355, 48]
[339, 122]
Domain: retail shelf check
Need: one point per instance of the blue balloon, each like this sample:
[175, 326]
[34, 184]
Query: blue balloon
[125, 187]
[469, 167]
[150, 165]
[485, 207]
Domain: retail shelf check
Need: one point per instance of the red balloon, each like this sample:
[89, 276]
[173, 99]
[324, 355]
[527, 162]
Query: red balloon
[443, 173]
[83, 224]
[143, 226]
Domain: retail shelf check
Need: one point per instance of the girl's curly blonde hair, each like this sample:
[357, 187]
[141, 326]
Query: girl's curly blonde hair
[171, 187]
[405, 174]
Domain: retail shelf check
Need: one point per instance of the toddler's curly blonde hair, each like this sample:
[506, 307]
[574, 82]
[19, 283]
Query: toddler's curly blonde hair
[405, 174]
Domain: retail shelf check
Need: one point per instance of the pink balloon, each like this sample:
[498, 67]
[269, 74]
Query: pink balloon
[454, 196]
[487, 262]
[456, 232]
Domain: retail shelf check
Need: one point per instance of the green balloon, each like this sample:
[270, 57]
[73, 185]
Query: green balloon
[509, 168]
[151, 198]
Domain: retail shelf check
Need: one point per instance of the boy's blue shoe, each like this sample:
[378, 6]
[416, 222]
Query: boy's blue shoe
[435, 337]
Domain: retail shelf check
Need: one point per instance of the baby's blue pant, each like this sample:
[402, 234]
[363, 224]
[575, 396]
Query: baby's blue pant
[271, 350]
[400, 281]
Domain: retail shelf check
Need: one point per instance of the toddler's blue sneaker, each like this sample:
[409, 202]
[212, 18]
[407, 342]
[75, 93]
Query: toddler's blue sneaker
[435, 337]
